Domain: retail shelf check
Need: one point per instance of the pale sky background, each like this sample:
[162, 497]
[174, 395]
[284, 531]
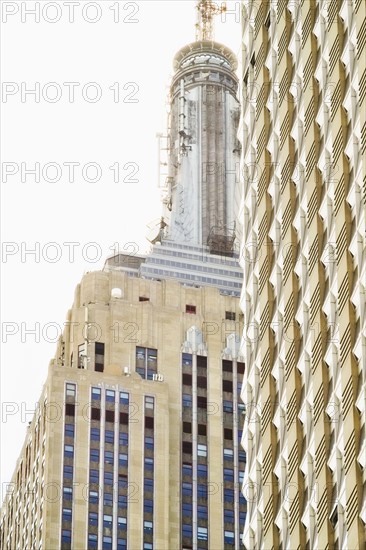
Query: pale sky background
[105, 133]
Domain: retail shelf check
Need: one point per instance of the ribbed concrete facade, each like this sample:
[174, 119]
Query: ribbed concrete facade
[304, 261]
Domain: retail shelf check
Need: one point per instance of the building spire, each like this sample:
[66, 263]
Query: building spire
[206, 9]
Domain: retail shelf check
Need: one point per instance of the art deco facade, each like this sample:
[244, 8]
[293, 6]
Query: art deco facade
[304, 261]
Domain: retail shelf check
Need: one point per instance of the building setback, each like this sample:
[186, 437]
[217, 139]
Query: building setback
[303, 215]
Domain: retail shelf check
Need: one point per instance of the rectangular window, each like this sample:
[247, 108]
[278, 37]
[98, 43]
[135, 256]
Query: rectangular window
[94, 476]
[202, 430]
[123, 398]
[148, 485]
[121, 544]
[201, 450]
[109, 416]
[202, 382]
[123, 438]
[95, 414]
[94, 497]
[94, 455]
[122, 501]
[92, 541]
[69, 430]
[187, 447]
[69, 451]
[148, 506]
[227, 406]
[201, 402]
[190, 309]
[202, 490]
[228, 474]
[70, 390]
[81, 356]
[108, 457]
[66, 536]
[228, 454]
[187, 359]
[123, 418]
[187, 531]
[186, 489]
[70, 409]
[148, 546]
[94, 434]
[108, 499]
[96, 394]
[202, 533]
[229, 537]
[146, 362]
[202, 470]
[149, 463]
[67, 493]
[109, 396]
[66, 514]
[109, 436]
[107, 521]
[202, 512]
[122, 459]
[149, 443]
[187, 427]
[93, 518]
[122, 481]
[227, 366]
[99, 356]
[228, 516]
[228, 495]
[148, 527]
[149, 402]
[228, 434]
[68, 471]
[187, 469]
[149, 422]
[107, 543]
[187, 379]
[187, 400]
[227, 386]
[230, 315]
[187, 509]
[122, 523]
[240, 368]
[108, 478]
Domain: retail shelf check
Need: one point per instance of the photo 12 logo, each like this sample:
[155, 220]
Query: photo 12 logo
[70, 12]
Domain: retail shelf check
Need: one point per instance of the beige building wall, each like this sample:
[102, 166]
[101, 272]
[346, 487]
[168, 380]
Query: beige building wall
[141, 313]
[303, 211]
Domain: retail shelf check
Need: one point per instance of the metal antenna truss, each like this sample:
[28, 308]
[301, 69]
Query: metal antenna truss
[205, 21]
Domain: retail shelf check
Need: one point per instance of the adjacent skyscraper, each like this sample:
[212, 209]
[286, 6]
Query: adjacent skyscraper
[136, 440]
[304, 260]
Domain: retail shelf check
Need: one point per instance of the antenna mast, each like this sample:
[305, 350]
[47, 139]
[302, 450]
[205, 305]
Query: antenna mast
[205, 26]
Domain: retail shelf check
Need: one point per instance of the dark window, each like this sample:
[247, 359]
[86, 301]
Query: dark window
[240, 367]
[149, 422]
[227, 386]
[66, 514]
[187, 447]
[66, 536]
[109, 416]
[121, 544]
[123, 438]
[149, 463]
[69, 409]
[201, 402]
[69, 451]
[190, 309]
[229, 537]
[122, 501]
[201, 361]
[67, 493]
[123, 398]
[93, 497]
[228, 433]
[202, 512]
[110, 396]
[187, 531]
[108, 499]
[202, 490]
[228, 474]
[123, 418]
[148, 485]
[230, 315]
[143, 299]
[187, 359]
[99, 356]
[228, 495]
[202, 429]
[202, 382]
[95, 413]
[227, 366]
[187, 469]
[122, 480]
[123, 459]
[92, 541]
[108, 457]
[187, 379]
[68, 471]
[187, 427]
[149, 442]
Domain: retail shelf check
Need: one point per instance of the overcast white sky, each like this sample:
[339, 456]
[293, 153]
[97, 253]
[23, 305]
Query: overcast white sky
[128, 48]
